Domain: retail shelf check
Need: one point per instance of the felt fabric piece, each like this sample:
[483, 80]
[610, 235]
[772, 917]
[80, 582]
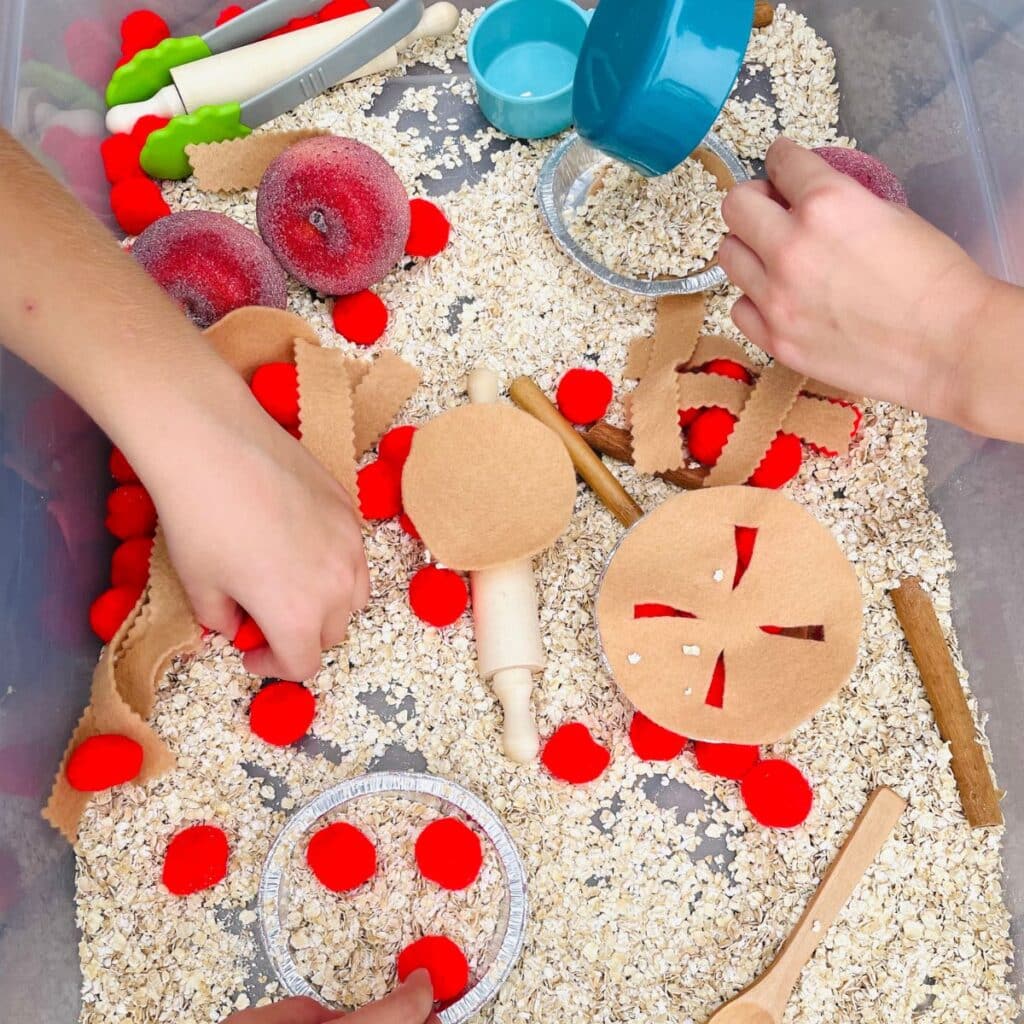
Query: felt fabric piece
[241, 163]
[487, 485]
[822, 423]
[774, 394]
[708, 390]
[380, 394]
[684, 556]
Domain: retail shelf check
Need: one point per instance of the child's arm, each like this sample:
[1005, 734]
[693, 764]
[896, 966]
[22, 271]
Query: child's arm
[251, 519]
[868, 296]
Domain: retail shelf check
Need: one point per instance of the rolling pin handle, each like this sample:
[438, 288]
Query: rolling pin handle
[513, 687]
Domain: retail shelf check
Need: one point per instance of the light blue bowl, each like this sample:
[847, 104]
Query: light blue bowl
[653, 76]
[522, 55]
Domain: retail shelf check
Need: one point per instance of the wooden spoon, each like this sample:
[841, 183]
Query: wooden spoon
[764, 1002]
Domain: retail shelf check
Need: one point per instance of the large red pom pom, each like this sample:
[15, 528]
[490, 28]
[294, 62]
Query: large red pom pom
[120, 155]
[110, 609]
[137, 203]
[429, 230]
[129, 566]
[145, 126]
[281, 713]
[438, 596]
[408, 526]
[448, 852]
[142, 30]
[729, 760]
[708, 434]
[443, 961]
[361, 318]
[249, 636]
[341, 857]
[573, 755]
[276, 387]
[380, 490]
[341, 8]
[652, 742]
[395, 445]
[727, 368]
[196, 859]
[584, 396]
[780, 464]
[130, 512]
[120, 468]
[777, 794]
[229, 14]
[102, 762]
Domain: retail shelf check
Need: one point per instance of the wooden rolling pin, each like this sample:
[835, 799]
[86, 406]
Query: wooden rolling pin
[506, 618]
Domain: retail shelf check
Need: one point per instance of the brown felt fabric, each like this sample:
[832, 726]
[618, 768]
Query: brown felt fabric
[487, 485]
[798, 576]
[822, 423]
[703, 390]
[383, 390]
[715, 346]
[241, 163]
[250, 337]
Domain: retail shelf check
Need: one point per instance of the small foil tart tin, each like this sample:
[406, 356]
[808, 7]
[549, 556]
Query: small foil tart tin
[272, 900]
[565, 182]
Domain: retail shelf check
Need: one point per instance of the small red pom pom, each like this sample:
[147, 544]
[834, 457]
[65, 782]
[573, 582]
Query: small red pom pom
[196, 859]
[361, 318]
[110, 609]
[729, 760]
[444, 962]
[429, 229]
[295, 25]
[120, 468]
[573, 755]
[780, 464]
[652, 742]
[448, 852]
[120, 155]
[584, 396]
[341, 857]
[709, 433]
[145, 126]
[229, 14]
[249, 636]
[395, 445]
[380, 490]
[130, 512]
[777, 794]
[727, 368]
[129, 566]
[102, 762]
[137, 203]
[409, 526]
[341, 8]
[281, 713]
[438, 596]
[276, 387]
[142, 30]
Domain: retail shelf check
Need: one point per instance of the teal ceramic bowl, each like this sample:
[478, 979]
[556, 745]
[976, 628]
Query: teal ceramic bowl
[653, 76]
[522, 55]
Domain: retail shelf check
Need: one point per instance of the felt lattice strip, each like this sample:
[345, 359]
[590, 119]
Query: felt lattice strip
[241, 163]
[382, 392]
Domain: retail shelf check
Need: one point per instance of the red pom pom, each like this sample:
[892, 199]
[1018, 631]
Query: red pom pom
[129, 566]
[120, 468]
[584, 396]
[409, 526]
[438, 596]
[341, 857]
[444, 962]
[361, 318]
[573, 755]
[709, 433]
[276, 387]
[295, 25]
[130, 512]
[229, 14]
[780, 464]
[729, 760]
[380, 490]
[145, 126]
[142, 30]
[429, 230]
[137, 203]
[727, 368]
[777, 794]
[102, 762]
[196, 859]
[395, 444]
[448, 852]
[281, 713]
[110, 609]
[340, 8]
[652, 742]
[120, 155]
[687, 416]
[249, 636]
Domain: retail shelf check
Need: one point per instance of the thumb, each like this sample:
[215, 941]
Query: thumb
[410, 1003]
[217, 612]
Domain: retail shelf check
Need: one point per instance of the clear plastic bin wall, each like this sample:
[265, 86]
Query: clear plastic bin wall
[931, 86]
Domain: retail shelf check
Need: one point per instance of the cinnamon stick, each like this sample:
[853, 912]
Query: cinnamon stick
[917, 616]
[618, 444]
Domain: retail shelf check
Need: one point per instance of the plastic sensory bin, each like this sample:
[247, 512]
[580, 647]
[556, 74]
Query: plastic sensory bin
[929, 86]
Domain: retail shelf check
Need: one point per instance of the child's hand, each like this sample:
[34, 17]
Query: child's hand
[848, 288]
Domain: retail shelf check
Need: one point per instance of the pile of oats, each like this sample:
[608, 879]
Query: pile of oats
[654, 896]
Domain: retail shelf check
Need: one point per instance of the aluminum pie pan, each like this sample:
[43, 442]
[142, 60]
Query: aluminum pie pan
[273, 890]
[565, 180]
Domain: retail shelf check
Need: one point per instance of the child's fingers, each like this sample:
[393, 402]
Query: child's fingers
[747, 317]
[293, 650]
[290, 1011]
[796, 171]
[743, 266]
[410, 1003]
[335, 628]
[217, 612]
[756, 219]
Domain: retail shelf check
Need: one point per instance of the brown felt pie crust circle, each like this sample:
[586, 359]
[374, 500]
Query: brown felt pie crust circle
[684, 555]
[487, 485]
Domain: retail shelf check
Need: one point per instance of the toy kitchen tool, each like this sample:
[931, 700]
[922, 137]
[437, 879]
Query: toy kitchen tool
[224, 84]
[489, 487]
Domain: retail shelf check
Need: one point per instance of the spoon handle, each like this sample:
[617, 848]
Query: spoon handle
[866, 838]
